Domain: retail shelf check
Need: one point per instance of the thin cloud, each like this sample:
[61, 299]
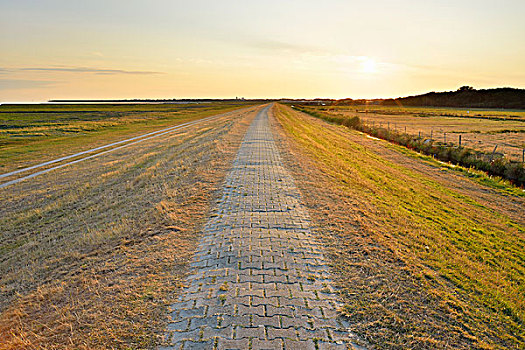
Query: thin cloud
[86, 70]
[12, 84]
[276, 45]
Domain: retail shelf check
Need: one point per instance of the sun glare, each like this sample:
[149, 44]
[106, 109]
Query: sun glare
[368, 65]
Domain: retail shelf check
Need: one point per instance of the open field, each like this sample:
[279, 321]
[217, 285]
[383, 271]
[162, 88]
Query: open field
[479, 129]
[425, 257]
[32, 134]
[515, 114]
[92, 254]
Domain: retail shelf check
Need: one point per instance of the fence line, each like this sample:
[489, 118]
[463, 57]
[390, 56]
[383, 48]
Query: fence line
[512, 155]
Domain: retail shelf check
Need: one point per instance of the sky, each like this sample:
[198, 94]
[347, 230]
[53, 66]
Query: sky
[116, 49]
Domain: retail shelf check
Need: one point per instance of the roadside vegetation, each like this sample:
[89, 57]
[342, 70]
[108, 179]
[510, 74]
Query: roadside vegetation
[421, 261]
[448, 152]
[480, 129]
[92, 255]
[32, 134]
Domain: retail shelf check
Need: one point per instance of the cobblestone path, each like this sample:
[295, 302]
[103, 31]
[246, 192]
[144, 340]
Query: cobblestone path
[260, 279]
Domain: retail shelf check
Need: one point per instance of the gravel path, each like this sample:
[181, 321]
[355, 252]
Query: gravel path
[260, 279]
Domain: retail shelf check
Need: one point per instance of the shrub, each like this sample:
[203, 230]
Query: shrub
[515, 172]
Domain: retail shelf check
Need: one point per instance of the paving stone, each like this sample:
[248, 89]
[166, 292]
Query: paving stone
[296, 322]
[214, 332]
[265, 301]
[273, 321]
[305, 334]
[179, 326]
[172, 346]
[250, 332]
[258, 271]
[289, 333]
[198, 345]
[250, 310]
[229, 321]
[275, 344]
[301, 311]
[331, 346]
[186, 335]
[195, 312]
[282, 311]
[283, 291]
[197, 322]
[231, 344]
[290, 344]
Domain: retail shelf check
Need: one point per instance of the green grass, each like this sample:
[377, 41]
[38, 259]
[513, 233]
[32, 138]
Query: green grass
[465, 254]
[34, 133]
[501, 167]
[501, 185]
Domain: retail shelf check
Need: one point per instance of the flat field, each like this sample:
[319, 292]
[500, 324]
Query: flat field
[32, 134]
[479, 129]
[425, 255]
[92, 254]
[426, 258]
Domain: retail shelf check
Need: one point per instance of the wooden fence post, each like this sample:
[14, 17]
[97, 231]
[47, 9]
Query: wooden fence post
[492, 155]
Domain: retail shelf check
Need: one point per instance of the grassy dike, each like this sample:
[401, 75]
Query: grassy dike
[437, 269]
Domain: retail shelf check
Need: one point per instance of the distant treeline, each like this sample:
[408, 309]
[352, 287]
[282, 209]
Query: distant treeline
[465, 96]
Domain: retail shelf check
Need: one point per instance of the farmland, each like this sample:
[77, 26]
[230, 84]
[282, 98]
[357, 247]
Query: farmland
[479, 129]
[36, 133]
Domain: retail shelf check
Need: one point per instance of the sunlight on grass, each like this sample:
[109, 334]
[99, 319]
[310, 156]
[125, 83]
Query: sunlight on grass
[470, 256]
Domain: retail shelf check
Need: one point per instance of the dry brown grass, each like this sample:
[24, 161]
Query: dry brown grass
[421, 263]
[478, 133]
[92, 255]
[31, 134]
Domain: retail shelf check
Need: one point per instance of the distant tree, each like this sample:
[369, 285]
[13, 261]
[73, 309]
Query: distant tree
[466, 96]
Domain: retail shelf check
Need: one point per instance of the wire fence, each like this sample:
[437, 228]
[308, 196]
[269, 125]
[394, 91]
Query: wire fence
[495, 148]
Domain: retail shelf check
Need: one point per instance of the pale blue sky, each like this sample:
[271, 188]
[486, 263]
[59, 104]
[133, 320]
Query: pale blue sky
[156, 49]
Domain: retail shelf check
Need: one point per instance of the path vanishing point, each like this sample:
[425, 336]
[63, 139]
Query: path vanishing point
[260, 280]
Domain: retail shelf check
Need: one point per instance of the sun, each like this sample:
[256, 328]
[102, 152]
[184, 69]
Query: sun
[368, 65]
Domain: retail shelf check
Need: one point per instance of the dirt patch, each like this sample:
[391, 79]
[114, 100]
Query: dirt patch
[92, 255]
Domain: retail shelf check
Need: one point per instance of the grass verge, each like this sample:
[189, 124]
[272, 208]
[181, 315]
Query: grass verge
[464, 156]
[419, 264]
